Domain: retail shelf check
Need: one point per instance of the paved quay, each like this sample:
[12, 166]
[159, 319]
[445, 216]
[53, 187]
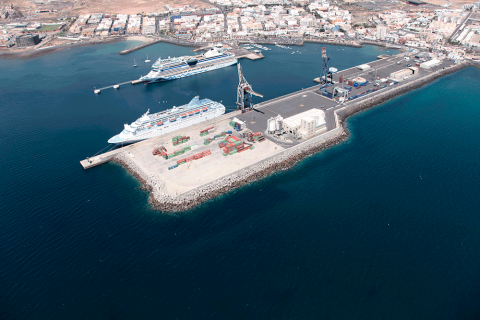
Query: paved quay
[197, 181]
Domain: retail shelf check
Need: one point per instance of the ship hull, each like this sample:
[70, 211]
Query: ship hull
[188, 73]
[164, 129]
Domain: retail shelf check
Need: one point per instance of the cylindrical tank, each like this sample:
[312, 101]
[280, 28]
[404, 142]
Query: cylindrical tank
[271, 125]
[279, 123]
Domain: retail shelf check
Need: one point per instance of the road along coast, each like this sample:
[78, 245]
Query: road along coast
[192, 183]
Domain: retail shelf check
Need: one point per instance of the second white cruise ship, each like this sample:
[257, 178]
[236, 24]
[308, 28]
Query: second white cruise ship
[156, 124]
[176, 68]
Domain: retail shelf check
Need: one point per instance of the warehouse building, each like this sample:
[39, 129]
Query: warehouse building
[401, 74]
[27, 40]
[363, 67]
[306, 124]
[430, 64]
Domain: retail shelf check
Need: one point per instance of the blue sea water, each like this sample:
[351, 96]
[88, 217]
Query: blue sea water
[383, 226]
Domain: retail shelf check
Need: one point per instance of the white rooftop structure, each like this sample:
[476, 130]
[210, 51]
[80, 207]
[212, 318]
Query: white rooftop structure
[306, 123]
[363, 67]
[430, 64]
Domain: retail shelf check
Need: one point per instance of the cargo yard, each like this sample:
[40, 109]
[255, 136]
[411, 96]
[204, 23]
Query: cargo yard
[186, 167]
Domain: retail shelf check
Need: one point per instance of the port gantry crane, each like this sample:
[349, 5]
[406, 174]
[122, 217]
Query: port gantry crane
[245, 93]
[326, 72]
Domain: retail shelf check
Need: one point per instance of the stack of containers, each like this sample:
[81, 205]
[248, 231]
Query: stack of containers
[258, 137]
[178, 152]
[234, 145]
[194, 157]
[207, 131]
[179, 140]
[159, 151]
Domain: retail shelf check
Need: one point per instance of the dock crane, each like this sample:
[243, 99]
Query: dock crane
[245, 93]
[326, 71]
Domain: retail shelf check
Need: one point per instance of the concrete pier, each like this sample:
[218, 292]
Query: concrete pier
[141, 46]
[195, 182]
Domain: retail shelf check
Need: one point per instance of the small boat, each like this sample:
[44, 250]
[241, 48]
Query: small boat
[293, 52]
[116, 86]
[134, 63]
[96, 91]
[148, 60]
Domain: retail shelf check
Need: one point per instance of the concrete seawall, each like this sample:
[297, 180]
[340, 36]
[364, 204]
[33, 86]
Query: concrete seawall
[172, 41]
[354, 45]
[141, 46]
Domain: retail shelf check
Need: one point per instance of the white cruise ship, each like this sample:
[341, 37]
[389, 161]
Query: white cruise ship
[156, 124]
[176, 68]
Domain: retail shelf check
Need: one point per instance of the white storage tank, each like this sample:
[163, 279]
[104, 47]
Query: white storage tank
[279, 123]
[271, 125]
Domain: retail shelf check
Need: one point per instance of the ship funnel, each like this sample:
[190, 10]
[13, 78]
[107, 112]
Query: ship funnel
[195, 101]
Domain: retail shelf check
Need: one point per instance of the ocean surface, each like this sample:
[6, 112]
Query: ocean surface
[383, 226]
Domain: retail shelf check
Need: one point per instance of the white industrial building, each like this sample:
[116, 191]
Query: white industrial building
[401, 74]
[430, 64]
[363, 67]
[306, 124]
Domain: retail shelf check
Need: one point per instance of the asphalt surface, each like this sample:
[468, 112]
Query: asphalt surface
[309, 98]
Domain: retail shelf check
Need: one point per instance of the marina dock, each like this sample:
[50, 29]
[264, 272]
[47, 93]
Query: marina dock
[194, 182]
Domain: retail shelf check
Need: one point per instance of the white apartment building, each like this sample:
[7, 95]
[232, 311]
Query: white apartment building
[149, 25]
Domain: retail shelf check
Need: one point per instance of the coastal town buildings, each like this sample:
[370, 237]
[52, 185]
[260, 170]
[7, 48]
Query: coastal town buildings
[429, 28]
[134, 24]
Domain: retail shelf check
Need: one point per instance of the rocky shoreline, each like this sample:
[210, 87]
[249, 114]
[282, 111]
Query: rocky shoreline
[242, 177]
[160, 200]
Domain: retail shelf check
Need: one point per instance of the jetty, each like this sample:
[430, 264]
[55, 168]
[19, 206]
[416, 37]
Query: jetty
[140, 46]
[196, 175]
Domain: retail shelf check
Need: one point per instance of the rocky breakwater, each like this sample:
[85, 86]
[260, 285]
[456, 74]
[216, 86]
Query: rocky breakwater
[260, 170]
[367, 103]
[161, 200]
[150, 182]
